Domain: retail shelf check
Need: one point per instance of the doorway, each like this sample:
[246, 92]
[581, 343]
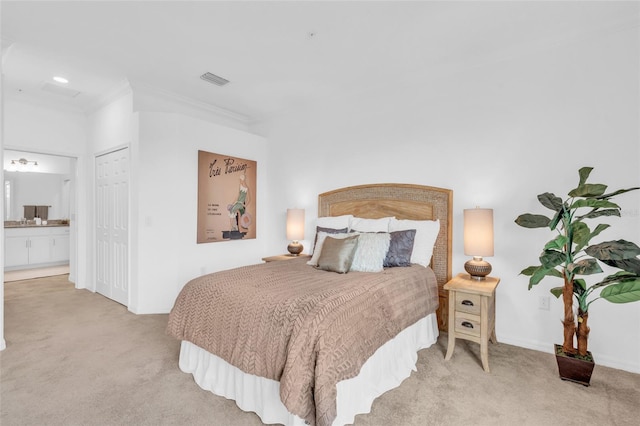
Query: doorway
[34, 178]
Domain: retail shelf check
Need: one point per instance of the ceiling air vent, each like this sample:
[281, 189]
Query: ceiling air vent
[212, 78]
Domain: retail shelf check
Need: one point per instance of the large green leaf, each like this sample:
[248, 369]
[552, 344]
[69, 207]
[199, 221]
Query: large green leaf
[537, 276]
[630, 265]
[597, 213]
[584, 173]
[552, 258]
[579, 285]
[529, 220]
[557, 291]
[557, 218]
[601, 227]
[583, 240]
[624, 292]
[581, 235]
[540, 272]
[613, 250]
[618, 277]
[584, 267]
[618, 192]
[594, 204]
[529, 270]
[550, 201]
[588, 190]
[557, 243]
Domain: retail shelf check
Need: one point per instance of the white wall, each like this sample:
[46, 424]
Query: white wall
[32, 127]
[164, 218]
[498, 134]
[109, 126]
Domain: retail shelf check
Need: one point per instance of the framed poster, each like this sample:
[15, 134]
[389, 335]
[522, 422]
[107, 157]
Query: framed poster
[226, 198]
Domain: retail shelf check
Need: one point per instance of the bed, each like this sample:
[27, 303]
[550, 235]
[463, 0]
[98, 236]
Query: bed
[298, 344]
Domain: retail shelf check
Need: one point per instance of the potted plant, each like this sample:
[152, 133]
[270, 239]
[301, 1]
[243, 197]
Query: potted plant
[569, 257]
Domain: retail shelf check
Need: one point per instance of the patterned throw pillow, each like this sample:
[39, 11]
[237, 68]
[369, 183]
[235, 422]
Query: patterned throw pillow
[400, 248]
[426, 235]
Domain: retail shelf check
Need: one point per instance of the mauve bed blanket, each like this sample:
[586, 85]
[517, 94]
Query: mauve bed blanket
[304, 327]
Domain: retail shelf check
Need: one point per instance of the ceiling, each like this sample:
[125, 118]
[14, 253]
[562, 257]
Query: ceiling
[277, 55]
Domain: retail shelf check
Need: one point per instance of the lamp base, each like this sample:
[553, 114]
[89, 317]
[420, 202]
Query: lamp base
[477, 268]
[295, 248]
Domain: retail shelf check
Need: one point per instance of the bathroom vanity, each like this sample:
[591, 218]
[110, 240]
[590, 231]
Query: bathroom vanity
[33, 246]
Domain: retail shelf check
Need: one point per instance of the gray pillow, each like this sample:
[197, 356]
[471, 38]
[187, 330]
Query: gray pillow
[337, 254]
[400, 248]
[328, 231]
[331, 230]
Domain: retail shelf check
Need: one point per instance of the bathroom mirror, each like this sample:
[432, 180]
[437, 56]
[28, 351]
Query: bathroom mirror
[36, 179]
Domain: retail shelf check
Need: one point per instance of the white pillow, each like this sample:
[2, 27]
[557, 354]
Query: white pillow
[371, 251]
[359, 224]
[426, 234]
[319, 242]
[335, 222]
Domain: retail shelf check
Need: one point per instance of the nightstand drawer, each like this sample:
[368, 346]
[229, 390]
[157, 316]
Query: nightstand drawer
[467, 302]
[467, 324]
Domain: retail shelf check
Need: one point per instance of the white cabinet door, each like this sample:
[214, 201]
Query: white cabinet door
[39, 250]
[59, 248]
[16, 251]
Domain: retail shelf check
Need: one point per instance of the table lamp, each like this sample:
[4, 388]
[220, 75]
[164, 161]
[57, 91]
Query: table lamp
[478, 241]
[295, 230]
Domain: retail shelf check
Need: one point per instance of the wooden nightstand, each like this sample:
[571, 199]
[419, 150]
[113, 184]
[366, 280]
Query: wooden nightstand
[472, 313]
[284, 257]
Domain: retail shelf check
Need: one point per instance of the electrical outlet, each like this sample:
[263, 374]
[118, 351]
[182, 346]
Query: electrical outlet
[543, 303]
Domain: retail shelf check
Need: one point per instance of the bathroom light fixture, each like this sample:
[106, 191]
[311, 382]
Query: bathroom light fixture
[22, 164]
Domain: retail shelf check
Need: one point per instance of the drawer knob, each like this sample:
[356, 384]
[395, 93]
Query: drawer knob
[467, 324]
[467, 302]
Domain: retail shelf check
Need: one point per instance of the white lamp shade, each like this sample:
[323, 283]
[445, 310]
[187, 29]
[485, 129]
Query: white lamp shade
[295, 224]
[478, 232]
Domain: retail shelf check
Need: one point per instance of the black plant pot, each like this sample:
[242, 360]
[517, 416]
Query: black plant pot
[573, 367]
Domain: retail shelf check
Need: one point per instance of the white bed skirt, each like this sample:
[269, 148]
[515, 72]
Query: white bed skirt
[397, 358]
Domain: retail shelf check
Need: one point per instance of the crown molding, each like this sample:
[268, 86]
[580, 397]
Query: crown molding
[188, 102]
[117, 91]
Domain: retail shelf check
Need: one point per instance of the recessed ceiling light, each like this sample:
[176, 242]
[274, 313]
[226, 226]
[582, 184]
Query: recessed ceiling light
[60, 79]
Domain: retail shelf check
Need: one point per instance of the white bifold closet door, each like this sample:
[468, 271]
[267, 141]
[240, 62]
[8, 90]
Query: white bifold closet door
[112, 225]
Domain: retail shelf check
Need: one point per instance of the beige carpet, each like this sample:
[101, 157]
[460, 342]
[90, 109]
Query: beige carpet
[76, 358]
[27, 274]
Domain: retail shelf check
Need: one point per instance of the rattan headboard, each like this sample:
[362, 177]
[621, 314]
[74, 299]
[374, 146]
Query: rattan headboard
[404, 201]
